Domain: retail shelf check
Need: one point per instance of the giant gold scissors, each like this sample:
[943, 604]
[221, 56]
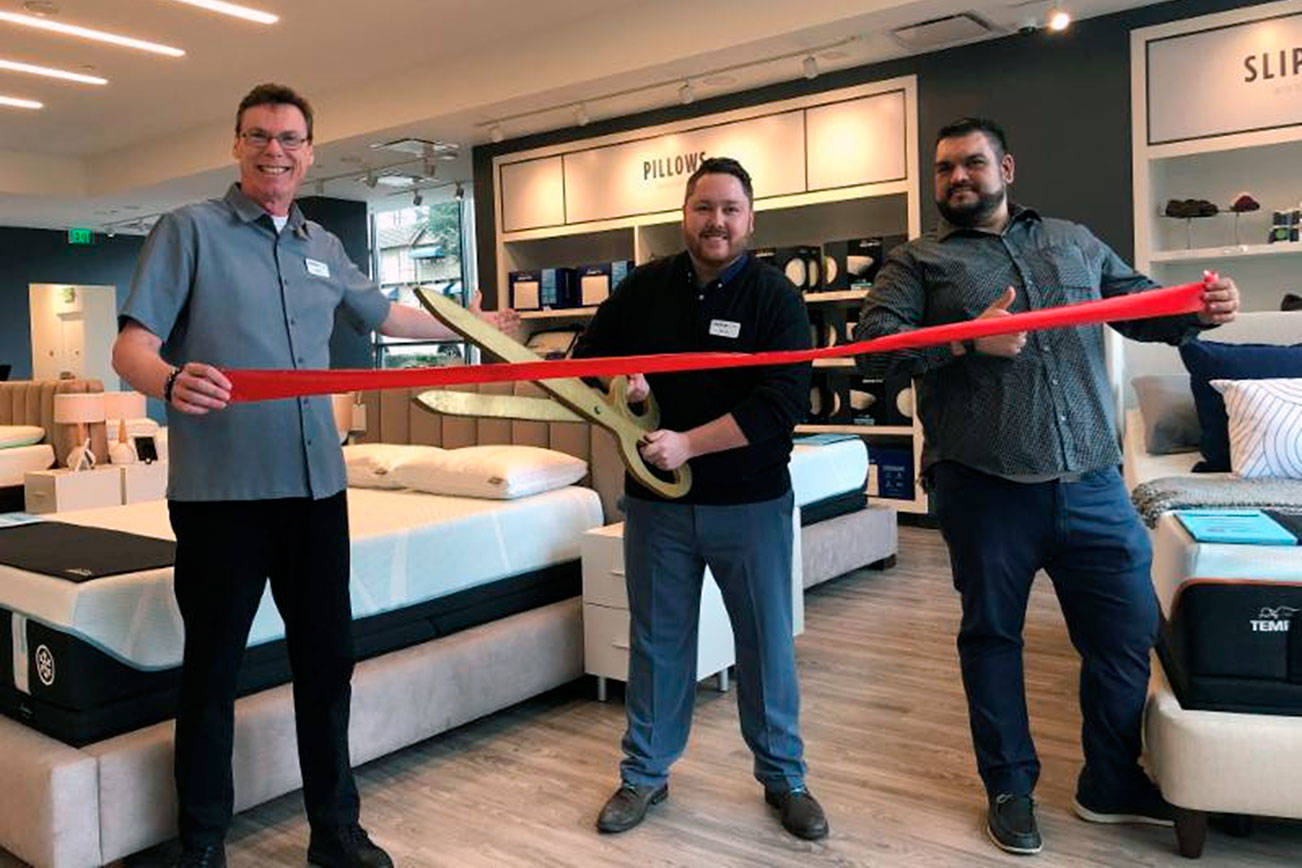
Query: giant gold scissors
[576, 401]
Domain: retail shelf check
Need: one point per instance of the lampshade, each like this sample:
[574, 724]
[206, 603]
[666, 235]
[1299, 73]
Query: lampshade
[124, 405]
[74, 407]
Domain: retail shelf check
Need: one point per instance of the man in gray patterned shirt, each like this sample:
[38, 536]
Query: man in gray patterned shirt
[1021, 456]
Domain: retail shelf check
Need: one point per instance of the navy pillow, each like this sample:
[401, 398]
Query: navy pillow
[1209, 360]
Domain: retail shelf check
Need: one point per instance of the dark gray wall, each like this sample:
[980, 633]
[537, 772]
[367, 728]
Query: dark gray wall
[44, 256]
[350, 347]
[1063, 98]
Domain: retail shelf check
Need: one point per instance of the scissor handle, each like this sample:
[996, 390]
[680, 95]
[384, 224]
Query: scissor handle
[628, 428]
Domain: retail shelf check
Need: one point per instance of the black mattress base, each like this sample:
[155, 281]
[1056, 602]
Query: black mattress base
[831, 507]
[94, 696]
[1235, 646]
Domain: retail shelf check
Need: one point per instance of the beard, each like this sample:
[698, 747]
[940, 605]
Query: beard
[973, 213]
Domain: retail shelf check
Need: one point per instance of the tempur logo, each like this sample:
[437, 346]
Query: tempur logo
[1273, 619]
[1270, 65]
[45, 665]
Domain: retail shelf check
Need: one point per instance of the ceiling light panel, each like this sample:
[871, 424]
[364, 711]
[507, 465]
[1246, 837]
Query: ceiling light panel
[88, 33]
[50, 72]
[234, 10]
[15, 102]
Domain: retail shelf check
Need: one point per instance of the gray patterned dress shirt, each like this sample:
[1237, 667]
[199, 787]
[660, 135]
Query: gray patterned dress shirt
[1047, 412]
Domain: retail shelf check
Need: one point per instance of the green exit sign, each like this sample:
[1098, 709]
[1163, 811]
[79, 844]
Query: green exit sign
[81, 236]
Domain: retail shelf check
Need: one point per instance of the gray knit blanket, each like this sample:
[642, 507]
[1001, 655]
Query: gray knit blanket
[1166, 493]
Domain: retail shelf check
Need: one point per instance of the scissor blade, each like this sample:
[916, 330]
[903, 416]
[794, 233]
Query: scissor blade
[496, 406]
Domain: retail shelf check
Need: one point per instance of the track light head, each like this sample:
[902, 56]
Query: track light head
[685, 93]
[809, 67]
[496, 134]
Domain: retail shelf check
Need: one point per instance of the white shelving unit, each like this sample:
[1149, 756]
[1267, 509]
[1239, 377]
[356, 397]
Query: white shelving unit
[807, 217]
[1216, 167]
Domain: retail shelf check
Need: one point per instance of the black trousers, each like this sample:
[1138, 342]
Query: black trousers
[225, 553]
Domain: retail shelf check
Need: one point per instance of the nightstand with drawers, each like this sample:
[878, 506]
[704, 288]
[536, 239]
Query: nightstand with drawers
[606, 616]
[61, 490]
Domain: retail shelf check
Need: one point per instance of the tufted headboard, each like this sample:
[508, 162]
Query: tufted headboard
[392, 416]
[31, 402]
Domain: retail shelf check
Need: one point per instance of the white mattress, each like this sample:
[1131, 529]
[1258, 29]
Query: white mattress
[17, 460]
[1177, 559]
[407, 547]
[819, 472]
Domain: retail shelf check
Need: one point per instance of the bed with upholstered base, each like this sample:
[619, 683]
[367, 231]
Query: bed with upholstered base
[1208, 759]
[31, 402]
[68, 807]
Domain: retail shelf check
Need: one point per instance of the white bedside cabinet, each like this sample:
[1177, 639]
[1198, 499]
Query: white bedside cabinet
[606, 616]
[62, 489]
[142, 482]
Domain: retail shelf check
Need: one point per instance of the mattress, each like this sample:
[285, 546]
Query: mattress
[17, 460]
[81, 661]
[822, 472]
[1231, 637]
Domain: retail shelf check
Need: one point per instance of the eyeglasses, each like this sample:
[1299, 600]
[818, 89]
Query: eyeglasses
[261, 139]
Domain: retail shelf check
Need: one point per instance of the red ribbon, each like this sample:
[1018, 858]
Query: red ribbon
[262, 385]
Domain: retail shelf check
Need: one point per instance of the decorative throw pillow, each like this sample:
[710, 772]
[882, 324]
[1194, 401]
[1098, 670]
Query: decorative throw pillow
[500, 472]
[1209, 360]
[1265, 426]
[1166, 405]
[20, 435]
[370, 465]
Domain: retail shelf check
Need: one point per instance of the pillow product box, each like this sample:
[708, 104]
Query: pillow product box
[801, 265]
[829, 398]
[829, 324]
[526, 290]
[596, 281]
[850, 261]
[543, 288]
[894, 471]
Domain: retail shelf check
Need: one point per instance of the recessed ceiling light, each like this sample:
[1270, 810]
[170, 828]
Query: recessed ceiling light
[15, 102]
[1059, 20]
[234, 10]
[396, 180]
[88, 33]
[50, 72]
[718, 80]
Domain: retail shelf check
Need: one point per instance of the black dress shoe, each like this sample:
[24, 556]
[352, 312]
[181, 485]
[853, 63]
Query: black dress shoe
[628, 806]
[201, 857]
[1011, 824]
[345, 847]
[1140, 802]
[801, 813]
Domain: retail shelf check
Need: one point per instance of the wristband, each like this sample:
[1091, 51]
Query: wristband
[167, 387]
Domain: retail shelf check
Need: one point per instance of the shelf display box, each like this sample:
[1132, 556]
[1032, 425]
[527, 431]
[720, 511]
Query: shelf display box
[543, 288]
[801, 264]
[597, 281]
[894, 471]
[850, 262]
[829, 398]
[829, 325]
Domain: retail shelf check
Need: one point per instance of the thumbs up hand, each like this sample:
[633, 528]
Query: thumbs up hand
[1006, 346]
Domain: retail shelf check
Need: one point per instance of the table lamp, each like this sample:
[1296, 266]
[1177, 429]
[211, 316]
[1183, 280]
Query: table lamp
[123, 406]
[79, 408]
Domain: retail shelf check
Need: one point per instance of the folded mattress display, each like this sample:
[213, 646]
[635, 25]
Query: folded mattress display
[1231, 636]
[83, 660]
[829, 479]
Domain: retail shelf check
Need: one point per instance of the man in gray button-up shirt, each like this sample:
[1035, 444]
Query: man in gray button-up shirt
[1021, 452]
[256, 491]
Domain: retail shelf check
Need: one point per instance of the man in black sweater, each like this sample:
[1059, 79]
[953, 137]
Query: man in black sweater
[733, 428]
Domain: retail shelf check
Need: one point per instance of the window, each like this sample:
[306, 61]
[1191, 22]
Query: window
[419, 246]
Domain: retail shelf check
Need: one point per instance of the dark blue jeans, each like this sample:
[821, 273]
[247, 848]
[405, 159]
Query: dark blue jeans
[1088, 538]
[748, 548]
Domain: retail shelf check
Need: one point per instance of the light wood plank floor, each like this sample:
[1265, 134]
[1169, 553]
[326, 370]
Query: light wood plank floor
[886, 736]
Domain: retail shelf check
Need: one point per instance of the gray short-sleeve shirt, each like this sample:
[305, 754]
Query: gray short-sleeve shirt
[219, 285]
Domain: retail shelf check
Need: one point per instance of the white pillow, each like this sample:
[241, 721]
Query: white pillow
[500, 472]
[20, 435]
[369, 465]
[1265, 426]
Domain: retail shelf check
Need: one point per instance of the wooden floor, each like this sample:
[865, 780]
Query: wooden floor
[886, 736]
